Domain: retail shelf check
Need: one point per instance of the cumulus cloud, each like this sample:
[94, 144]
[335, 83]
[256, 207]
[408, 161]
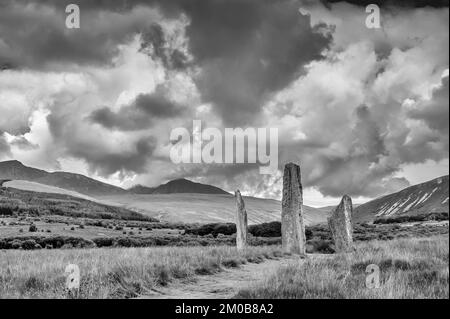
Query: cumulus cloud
[21, 142]
[346, 121]
[5, 149]
[353, 105]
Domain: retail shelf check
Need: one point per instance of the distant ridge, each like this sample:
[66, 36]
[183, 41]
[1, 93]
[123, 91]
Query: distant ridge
[428, 197]
[140, 189]
[179, 186]
[15, 170]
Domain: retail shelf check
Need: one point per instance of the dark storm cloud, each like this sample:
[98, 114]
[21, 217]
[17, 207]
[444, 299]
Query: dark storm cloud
[367, 134]
[108, 163]
[435, 112]
[248, 50]
[139, 114]
[154, 43]
[102, 158]
[5, 66]
[353, 176]
[33, 33]
[434, 143]
[394, 3]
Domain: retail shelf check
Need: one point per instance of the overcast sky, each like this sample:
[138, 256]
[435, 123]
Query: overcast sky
[364, 111]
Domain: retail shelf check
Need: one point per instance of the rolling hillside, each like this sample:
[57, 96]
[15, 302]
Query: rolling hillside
[140, 189]
[14, 200]
[429, 197]
[15, 170]
[41, 188]
[207, 208]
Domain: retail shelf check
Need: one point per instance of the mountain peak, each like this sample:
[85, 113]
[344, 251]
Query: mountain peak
[12, 163]
[177, 186]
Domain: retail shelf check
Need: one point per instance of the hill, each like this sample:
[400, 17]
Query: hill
[15, 201]
[207, 208]
[140, 189]
[15, 170]
[41, 188]
[425, 198]
[180, 186]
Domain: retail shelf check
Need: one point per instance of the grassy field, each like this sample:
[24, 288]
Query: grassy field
[114, 273]
[409, 268]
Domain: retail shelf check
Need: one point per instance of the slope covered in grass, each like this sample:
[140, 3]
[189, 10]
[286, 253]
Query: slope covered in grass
[409, 268]
[42, 188]
[114, 273]
[207, 208]
[20, 202]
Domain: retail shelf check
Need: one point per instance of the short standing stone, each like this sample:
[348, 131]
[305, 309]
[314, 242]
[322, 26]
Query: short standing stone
[292, 225]
[340, 223]
[241, 222]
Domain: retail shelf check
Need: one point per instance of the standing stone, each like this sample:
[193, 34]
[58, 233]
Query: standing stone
[340, 223]
[241, 222]
[292, 226]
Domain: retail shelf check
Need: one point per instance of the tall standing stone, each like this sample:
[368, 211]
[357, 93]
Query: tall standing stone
[340, 223]
[292, 225]
[241, 222]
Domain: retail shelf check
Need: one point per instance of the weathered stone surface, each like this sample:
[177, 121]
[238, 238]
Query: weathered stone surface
[340, 223]
[292, 224]
[241, 222]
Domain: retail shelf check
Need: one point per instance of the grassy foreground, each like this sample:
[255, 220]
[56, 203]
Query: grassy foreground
[409, 268]
[114, 272]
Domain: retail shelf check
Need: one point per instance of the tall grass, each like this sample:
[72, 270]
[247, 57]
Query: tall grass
[116, 272]
[409, 268]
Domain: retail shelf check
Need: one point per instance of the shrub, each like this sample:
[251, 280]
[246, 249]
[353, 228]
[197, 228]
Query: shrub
[29, 244]
[272, 229]
[7, 210]
[162, 275]
[412, 218]
[33, 228]
[16, 244]
[230, 263]
[213, 229]
[103, 242]
[319, 246]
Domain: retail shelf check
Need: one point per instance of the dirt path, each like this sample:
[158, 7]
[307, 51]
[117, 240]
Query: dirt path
[223, 285]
